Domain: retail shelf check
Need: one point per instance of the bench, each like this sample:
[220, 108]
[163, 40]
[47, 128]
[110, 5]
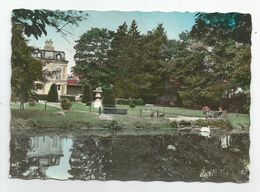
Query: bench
[184, 124]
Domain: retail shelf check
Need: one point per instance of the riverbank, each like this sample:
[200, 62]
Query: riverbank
[80, 117]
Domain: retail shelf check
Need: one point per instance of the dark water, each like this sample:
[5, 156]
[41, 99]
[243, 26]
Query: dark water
[178, 157]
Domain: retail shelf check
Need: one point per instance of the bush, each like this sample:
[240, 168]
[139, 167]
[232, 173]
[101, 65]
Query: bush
[109, 98]
[66, 104]
[87, 94]
[72, 98]
[42, 97]
[139, 101]
[53, 94]
[32, 103]
[132, 104]
[122, 101]
[173, 124]
[128, 101]
[220, 123]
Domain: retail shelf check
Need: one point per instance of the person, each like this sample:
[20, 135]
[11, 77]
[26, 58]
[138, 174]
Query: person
[206, 111]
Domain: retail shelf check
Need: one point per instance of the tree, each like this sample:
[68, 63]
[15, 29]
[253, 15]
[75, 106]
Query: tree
[34, 22]
[91, 57]
[53, 93]
[87, 94]
[222, 26]
[117, 57]
[208, 63]
[154, 69]
[109, 99]
[25, 69]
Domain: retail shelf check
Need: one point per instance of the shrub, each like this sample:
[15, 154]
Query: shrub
[132, 104]
[66, 104]
[122, 101]
[128, 101]
[173, 124]
[220, 123]
[87, 94]
[53, 94]
[139, 101]
[70, 97]
[109, 98]
[42, 97]
[32, 103]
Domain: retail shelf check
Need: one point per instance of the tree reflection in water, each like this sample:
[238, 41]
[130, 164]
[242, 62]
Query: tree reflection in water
[179, 157]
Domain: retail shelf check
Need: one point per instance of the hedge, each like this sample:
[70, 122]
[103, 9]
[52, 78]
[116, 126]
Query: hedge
[128, 101]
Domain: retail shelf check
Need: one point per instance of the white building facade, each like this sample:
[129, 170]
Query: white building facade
[55, 62]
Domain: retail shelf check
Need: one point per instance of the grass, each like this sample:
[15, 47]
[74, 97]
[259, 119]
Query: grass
[80, 117]
[38, 106]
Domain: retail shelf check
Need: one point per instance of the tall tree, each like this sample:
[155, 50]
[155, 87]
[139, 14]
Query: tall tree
[154, 71]
[125, 55]
[91, 57]
[118, 58]
[220, 39]
[25, 69]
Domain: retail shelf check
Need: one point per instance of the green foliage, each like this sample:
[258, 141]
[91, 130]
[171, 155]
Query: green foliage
[109, 98]
[127, 101]
[32, 103]
[138, 58]
[34, 22]
[203, 67]
[53, 93]
[173, 124]
[220, 123]
[214, 26]
[209, 64]
[91, 57]
[139, 101]
[42, 97]
[132, 104]
[66, 104]
[87, 94]
[25, 69]
[70, 97]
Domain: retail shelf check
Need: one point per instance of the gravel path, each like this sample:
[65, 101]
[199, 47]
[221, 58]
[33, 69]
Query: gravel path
[185, 118]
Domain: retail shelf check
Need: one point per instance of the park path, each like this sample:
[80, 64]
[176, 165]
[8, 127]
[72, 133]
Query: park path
[52, 104]
[185, 118]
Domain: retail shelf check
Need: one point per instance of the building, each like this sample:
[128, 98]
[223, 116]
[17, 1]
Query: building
[55, 62]
[73, 87]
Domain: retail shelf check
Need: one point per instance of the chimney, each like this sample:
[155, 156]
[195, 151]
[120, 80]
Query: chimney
[49, 45]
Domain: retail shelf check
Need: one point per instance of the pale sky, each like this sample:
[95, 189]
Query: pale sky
[173, 22]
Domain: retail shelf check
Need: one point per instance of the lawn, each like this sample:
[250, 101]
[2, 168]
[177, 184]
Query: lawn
[80, 115]
[38, 106]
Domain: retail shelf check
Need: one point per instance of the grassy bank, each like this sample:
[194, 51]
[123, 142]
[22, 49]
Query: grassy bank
[80, 117]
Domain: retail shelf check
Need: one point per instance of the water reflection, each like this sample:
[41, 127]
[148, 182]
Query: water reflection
[178, 157]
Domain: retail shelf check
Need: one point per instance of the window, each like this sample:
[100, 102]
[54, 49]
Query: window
[58, 56]
[58, 87]
[48, 55]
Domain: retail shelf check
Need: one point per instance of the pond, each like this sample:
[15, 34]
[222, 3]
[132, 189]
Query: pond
[158, 157]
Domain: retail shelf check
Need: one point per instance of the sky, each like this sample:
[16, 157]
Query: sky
[173, 22]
